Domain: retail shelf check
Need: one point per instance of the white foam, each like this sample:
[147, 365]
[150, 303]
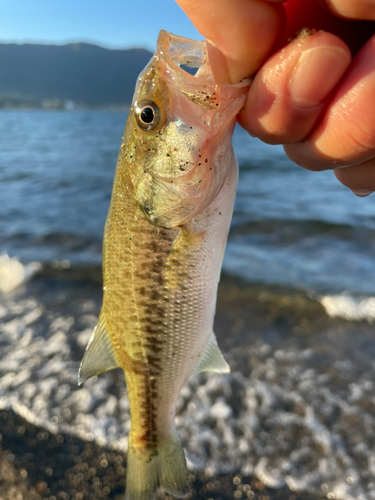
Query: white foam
[13, 273]
[349, 307]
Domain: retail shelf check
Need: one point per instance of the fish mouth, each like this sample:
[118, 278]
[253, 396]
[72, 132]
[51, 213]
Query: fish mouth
[177, 51]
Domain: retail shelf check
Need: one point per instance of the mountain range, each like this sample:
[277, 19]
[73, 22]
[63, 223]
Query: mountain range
[79, 74]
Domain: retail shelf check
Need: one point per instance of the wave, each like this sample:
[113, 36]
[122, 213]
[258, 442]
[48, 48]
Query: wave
[61, 239]
[301, 228]
[13, 273]
[349, 307]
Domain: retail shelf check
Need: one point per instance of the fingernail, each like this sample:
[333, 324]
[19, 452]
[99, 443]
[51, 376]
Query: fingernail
[218, 63]
[317, 72]
[362, 192]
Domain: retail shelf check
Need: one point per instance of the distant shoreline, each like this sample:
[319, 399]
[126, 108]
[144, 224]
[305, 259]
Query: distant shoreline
[71, 76]
[117, 109]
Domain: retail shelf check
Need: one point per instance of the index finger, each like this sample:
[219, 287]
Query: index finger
[240, 33]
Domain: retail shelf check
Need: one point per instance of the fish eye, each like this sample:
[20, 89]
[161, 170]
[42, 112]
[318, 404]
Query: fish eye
[147, 115]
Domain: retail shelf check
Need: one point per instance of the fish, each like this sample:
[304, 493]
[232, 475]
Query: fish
[163, 246]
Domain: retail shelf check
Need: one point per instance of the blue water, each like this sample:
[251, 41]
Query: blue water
[290, 227]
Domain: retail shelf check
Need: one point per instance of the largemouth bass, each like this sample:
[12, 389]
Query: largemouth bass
[164, 241]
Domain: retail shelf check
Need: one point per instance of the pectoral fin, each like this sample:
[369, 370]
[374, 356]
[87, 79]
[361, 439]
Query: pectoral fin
[212, 360]
[100, 355]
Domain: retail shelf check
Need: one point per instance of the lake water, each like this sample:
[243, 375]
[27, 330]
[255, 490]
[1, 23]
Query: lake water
[290, 227]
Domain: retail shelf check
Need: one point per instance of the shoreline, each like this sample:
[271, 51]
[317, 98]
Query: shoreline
[293, 371]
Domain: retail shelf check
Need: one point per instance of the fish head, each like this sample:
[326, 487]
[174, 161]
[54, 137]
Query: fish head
[177, 142]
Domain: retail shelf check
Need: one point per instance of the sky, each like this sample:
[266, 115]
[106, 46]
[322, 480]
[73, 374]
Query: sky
[108, 23]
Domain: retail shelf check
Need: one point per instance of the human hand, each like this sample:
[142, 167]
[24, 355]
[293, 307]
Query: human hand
[315, 94]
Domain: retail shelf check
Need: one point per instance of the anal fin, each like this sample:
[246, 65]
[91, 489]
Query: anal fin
[100, 355]
[212, 359]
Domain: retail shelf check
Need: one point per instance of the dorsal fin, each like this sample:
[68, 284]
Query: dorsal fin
[100, 355]
[212, 359]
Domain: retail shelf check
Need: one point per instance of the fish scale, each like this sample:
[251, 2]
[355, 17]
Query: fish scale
[164, 242]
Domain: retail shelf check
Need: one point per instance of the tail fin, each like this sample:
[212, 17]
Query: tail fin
[160, 468]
